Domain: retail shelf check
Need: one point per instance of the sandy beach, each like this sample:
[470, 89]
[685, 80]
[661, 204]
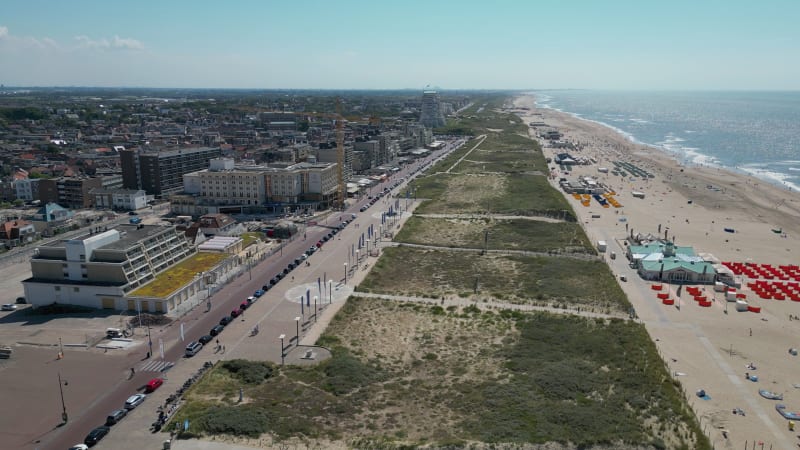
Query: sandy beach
[704, 348]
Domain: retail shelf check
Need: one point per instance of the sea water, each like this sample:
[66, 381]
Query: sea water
[754, 132]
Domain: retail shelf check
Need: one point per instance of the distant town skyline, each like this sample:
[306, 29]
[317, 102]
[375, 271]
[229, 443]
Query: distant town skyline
[402, 45]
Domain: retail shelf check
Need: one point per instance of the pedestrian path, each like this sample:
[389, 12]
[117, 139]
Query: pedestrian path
[156, 365]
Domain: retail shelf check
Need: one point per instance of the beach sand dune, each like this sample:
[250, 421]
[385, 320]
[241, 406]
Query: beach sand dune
[704, 348]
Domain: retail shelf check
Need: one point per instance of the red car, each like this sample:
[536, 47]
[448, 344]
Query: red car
[153, 384]
[235, 313]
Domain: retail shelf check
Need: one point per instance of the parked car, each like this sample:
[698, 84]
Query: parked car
[235, 313]
[9, 307]
[291, 266]
[244, 305]
[363, 208]
[193, 348]
[286, 271]
[265, 288]
[79, 447]
[95, 435]
[116, 416]
[225, 320]
[155, 383]
[273, 281]
[216, 330]
[134, 400]
[205, 339]
[259, 293]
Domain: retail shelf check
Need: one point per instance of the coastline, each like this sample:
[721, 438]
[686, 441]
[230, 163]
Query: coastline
[703, 348]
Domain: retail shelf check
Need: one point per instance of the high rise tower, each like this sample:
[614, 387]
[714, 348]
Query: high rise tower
[431, 116]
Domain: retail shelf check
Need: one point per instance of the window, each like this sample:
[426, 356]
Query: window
[58, 288]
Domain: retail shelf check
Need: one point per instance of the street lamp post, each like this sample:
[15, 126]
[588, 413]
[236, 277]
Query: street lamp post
[297, 331]
[149, 342]
[330, 291]
[64, 416]
[345, 273]
[282, 353]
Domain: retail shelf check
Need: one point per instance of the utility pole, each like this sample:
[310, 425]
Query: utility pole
[64, 416]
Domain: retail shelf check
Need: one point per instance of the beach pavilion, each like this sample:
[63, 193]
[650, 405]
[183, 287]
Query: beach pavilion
[664, 261]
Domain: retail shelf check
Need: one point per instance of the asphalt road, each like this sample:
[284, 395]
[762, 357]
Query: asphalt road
[105, 386]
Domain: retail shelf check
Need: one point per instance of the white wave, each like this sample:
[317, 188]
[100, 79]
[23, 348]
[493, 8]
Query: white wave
[795, 169]
[781, 179]
[689, 131]
[640, 121]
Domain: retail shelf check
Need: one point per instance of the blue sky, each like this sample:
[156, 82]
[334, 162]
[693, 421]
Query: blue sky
[378, 44]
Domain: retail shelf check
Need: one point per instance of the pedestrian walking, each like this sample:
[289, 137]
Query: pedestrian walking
[133, 372]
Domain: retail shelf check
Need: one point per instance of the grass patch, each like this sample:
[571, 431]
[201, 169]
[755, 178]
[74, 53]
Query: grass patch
[178, 275]
[251, 237]
[517, 279]
[519, 194]
[516, 234]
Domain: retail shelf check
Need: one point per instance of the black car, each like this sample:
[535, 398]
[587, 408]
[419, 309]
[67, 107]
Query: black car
[286, 271]
[216, 330]
[297, 261]
[266, 287]
[225, 320]
[205, 339]
[325, 238]
[95, 435]
[280, 276]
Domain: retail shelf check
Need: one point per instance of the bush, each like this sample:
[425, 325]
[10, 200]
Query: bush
[346, 373]
[243, 420]
[250, 372]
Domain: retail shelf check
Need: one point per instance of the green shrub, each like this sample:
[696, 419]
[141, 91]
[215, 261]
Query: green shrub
[250, 372]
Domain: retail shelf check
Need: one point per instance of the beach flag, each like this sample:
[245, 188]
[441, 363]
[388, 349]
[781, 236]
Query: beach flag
[308, 297]
[661, 273]
[679, 290]
[319, 286]
[302, 311]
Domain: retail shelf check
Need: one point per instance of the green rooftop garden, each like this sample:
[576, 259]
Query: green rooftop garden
[178, 275]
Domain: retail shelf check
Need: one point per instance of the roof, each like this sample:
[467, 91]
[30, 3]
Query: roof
[657, 247]
[671, 264]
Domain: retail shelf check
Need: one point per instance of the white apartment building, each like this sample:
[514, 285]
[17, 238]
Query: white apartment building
[100, 270]
[119, 199]
[225, 185]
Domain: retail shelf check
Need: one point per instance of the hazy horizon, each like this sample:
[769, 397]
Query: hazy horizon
[358, 45]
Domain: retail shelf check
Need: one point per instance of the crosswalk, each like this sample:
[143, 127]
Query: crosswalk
[156, 365]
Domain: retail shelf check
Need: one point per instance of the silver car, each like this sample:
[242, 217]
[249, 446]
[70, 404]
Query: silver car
[134, 400]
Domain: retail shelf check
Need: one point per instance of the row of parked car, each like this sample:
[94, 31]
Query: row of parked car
[374, 199]
[117, 415]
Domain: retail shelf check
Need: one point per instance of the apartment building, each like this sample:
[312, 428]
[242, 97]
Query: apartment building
[27, 189]
[229, 188]
[99, 270]
[431, 116]
[119, 199]
[160, 173]
[69, 192]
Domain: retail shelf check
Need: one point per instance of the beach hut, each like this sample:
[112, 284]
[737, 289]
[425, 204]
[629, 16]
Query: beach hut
[741, 305]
